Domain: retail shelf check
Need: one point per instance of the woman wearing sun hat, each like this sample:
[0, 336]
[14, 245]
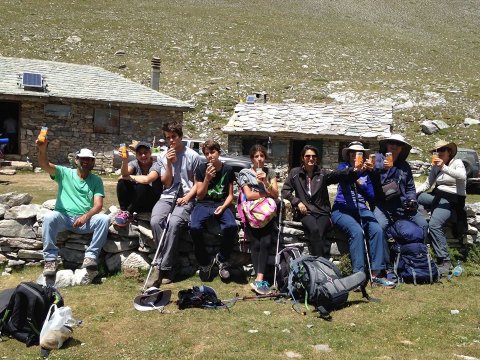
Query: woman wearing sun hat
[350, 214]
[447, 198]
[401, 204]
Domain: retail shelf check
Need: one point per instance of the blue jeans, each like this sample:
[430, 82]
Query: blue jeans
[201, 213]
[56, 222]
[347, 221]
[440, 215]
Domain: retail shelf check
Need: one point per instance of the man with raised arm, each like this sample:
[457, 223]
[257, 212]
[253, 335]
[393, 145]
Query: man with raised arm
[79, 202]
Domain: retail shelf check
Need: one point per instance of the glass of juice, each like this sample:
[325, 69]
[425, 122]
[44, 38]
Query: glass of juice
[43, 134]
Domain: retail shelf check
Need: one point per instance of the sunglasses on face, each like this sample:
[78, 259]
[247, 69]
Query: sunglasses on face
[310, 156]
[394, 142]
[442, 149]
[85, 159]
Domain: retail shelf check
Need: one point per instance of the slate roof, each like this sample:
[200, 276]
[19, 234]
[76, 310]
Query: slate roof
[82, 82]
[322, 120]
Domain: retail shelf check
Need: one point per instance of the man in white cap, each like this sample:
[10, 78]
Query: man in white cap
[79, 202]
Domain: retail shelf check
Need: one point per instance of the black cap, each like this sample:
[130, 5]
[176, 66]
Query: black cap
[144, 144]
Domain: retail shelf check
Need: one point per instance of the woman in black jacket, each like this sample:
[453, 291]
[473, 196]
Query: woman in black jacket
[306, 188]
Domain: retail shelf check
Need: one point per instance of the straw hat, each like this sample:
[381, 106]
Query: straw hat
[152, 299]
[354, 146]
[451, 145]
[406, 147]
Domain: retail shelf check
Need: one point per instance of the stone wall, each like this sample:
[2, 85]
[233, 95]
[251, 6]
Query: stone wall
[71, 131]
[132, 247]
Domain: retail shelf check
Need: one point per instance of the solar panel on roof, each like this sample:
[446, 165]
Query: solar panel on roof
[32, 80]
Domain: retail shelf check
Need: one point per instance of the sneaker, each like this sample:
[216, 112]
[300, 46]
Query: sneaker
[222, 268]
[260, 287]
[444, 267]
[383, 282]
[167, 276]
[123, 218]
[90, 264]
[154, 279]
[205, 272]
[50, 268]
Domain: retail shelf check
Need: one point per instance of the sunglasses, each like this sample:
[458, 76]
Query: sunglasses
[394, 142]
[310, 156]
[442, 149]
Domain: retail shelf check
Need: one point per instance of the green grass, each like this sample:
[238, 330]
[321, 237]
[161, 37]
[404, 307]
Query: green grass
[410, 322]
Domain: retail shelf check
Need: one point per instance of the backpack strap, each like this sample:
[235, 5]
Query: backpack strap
[323, 313]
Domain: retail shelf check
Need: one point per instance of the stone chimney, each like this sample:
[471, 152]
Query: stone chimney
[155, 83]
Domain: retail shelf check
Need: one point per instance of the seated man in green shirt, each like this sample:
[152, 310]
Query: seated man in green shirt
[79, 202]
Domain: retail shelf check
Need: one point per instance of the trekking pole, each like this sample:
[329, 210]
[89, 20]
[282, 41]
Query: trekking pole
[363, 234]
[164, 232]
[232, 301]
[277, 259]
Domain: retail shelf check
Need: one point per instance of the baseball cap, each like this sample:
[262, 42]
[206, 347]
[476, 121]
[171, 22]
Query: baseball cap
[144, 144]
[85, 153]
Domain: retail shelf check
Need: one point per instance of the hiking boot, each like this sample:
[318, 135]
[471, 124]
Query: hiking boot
[167, 276]
[260, 287]
[222, 268]
[50, 268]
[123, 218]
[444, 267]
[90, 264]
[154, 279]
[383, 282]
[205, 271]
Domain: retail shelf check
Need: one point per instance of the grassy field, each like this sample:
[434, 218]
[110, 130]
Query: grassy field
[410, 322]
[421, 57]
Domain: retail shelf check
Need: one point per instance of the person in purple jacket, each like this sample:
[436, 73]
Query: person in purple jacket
[351, 214]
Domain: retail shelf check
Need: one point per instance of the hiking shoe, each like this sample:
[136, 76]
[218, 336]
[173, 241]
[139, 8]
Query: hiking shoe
[123, 218]
[205, 271]
[222, 268]
[90, 264]
[444, 267]
[383, 282]
[167, 276]
[260, 287]
[154, 279]
[50, 268]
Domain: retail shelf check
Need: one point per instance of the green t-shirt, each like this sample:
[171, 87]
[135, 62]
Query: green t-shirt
[75, 196]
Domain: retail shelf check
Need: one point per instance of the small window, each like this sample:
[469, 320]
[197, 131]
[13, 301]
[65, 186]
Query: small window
[106, 121]
[247, 143]
[57, 110]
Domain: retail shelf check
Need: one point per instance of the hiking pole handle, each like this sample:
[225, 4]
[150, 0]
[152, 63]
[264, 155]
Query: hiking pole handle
[175, 197]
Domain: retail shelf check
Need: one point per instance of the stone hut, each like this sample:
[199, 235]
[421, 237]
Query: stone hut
[83, 106]
[286, 128]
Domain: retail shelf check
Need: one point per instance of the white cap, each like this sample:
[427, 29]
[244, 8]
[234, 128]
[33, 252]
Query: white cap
[85, 153]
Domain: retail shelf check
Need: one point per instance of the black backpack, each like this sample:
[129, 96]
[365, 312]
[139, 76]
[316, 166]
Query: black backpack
[22, 317]
[202, 296]
[284, 258]
[320, 283]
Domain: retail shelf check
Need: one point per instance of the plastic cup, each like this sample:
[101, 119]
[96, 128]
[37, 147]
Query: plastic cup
[123, 151]
[358, 159]
[43, 134]
[372, 158]
[434, 157]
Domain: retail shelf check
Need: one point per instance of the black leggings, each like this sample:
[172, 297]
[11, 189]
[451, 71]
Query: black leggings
[260, 240]
[315, 228]
[135, 197]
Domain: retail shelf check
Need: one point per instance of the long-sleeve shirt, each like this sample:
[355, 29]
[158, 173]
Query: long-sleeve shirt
[451, 178]
[400, 173]
[346, 194]
[313, 193]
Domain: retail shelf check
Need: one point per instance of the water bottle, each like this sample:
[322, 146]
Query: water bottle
[457, 270]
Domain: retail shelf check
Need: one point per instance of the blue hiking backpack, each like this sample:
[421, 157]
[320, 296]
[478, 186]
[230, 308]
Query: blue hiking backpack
[410, 256]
